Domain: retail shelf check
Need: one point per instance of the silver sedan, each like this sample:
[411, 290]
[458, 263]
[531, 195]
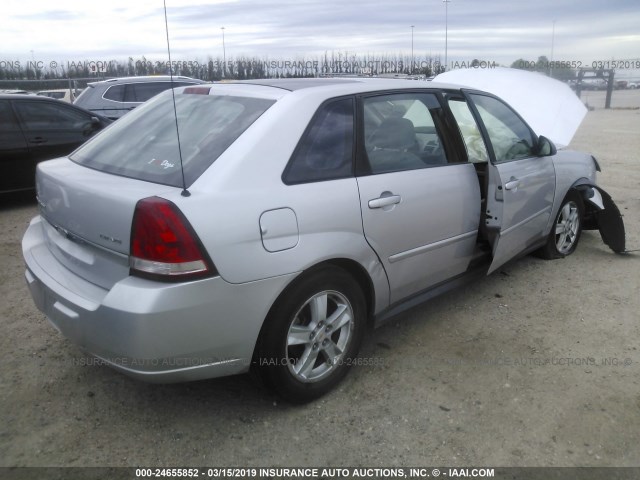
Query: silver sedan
[264, 225]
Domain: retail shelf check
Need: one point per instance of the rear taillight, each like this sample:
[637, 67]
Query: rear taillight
[164, 245]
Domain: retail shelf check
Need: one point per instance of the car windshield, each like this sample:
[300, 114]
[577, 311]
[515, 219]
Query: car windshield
[144, 144]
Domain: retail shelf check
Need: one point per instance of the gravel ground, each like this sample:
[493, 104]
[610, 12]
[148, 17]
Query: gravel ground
[536, 365]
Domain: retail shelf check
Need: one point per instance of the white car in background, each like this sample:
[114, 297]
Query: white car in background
[64, 94]
[115, 97]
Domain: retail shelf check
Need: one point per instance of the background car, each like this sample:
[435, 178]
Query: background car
[15, 92]
[35, 128]
[293, 215]
[115, 97]
[65, 94]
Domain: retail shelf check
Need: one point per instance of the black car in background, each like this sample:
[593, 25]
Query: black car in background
[36, 128]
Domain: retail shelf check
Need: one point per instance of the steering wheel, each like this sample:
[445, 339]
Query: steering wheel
[521, 147]
[433, 148]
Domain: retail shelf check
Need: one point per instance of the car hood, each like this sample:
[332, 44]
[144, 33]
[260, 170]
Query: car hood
[549, 106]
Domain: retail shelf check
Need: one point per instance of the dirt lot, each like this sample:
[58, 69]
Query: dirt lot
[539, 364]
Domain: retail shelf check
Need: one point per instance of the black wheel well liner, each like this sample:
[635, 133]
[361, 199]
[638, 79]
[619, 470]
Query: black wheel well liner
[583, 186]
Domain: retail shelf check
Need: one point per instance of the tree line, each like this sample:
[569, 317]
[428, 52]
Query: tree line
[229, 68]
[35, 76]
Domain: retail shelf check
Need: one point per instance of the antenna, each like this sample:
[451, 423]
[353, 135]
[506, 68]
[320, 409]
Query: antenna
[185, 192]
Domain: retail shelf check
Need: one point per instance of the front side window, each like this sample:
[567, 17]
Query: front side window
[143, 144]
[510, 137]
[401, 133]
[325, 151]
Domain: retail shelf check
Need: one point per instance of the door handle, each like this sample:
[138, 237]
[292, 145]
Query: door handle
[38, 140]
[386, 201]
[512, 184]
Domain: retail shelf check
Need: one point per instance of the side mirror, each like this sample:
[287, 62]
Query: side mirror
[91, 126]
[545, 147]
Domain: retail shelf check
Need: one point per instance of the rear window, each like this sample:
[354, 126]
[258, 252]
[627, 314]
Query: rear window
[144, 144]
[139, 92]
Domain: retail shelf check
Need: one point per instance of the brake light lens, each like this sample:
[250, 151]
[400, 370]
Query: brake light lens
[164, 246]
[197, 90]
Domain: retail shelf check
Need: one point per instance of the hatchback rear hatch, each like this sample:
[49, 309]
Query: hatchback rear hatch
[107, 197]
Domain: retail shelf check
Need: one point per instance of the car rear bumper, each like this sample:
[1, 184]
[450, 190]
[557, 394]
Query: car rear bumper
[157, 332]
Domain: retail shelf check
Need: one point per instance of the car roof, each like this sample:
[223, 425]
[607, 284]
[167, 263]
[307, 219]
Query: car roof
[344, 85]
[292, 84]
[26, 96]
[144, 79]
[56, 90]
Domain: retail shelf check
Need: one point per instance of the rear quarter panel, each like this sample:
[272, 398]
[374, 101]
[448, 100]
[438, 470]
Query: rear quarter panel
[227, 201]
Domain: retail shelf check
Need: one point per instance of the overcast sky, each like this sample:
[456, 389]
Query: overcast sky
[493, 30]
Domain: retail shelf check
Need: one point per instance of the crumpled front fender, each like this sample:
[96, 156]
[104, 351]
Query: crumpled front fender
[601, 213]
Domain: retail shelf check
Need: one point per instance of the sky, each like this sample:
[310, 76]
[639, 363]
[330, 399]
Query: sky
[499, 31]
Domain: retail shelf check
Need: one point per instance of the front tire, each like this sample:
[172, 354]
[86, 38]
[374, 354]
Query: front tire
[567, 228]
[312, 335]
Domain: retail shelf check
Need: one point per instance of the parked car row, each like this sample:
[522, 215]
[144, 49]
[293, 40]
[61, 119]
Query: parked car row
[117, 96]
[35, 128]
[39, 127]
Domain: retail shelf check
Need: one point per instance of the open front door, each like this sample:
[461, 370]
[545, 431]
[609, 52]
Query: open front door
[518, 205]
[520, 186]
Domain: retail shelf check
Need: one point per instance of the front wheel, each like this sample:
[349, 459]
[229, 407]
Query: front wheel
[312, 335]
[566, 230]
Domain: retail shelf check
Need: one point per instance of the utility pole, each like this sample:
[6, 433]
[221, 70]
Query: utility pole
[446, 32]
[224, 55]
[412, 58]
[553, 39]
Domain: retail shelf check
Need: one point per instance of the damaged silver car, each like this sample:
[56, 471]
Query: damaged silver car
[289, 216]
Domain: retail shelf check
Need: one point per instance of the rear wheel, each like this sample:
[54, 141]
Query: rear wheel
[566, 230]
[312, 335]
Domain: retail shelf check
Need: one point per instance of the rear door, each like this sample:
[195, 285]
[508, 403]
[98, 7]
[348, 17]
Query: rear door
[18, 169]
[420, 208]
[521, 185]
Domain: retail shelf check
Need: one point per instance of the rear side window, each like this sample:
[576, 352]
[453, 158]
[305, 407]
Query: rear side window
[401, 133]
[50, 116]
[144, 145]
[139, 92]
[115, 93]
[325, 151]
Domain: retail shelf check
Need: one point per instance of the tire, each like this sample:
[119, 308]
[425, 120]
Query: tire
[312, 335]
[566, 229]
